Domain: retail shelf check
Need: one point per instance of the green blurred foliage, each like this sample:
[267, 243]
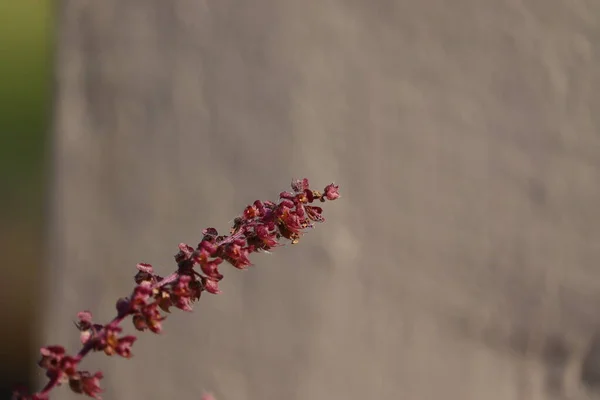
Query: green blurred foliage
[26, 47]
[25, 61]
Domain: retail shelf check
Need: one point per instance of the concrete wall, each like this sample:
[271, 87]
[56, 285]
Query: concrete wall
[462, 261]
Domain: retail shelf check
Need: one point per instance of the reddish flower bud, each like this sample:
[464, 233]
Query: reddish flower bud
[286, 195]
[210, 233]
[184, 254]
[208, 247]
[210, 286]
[67, 367]
[286, 204]
[211, 269]
[85, 336]
[149, 318]
[196, 289]
[139, 322]
[314, 213]
[123, 348]
[290, 224]
[237, 255]
[147, 275]
[331, 192]
[85, 320]
[164, 300]
[250, 212]
[267, 237]
[86, 383]
[123, 306]
[143, 276]
[260, 207]
[109, 341]
[153, 318]
[299, 185]
[300, 212]
[141, 294]
[86, 326]
[51, 357]
[183, 292]
[309, 195]
[147, 268]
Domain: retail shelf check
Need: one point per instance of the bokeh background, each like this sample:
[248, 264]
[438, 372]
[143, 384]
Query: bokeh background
[461, 262]
[26, 46]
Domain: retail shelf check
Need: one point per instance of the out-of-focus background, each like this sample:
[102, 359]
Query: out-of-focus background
[26, 32]
[461, 262]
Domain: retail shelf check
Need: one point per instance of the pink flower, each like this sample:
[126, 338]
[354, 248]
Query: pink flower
[261, 226]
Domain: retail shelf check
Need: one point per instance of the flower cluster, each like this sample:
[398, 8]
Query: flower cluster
[259, 228]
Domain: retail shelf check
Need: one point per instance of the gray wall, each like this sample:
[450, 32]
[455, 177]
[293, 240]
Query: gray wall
[461, 262]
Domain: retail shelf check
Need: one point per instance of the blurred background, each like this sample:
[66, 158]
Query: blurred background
[26, 44]
[460, 263]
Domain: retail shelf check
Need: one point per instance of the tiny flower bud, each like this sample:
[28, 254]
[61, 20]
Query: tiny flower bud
[123, 306]
[210, 232]
[147, 268]
[211, 286]
[86, 383]
[331, 192]
[299, 185]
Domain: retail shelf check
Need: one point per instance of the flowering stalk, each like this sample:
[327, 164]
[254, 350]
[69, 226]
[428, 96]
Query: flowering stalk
[259, 228]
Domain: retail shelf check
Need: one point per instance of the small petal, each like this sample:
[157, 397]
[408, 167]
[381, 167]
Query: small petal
[209, 247]
[144, 267]
[314, 213]
[310, 196]
[85, 320]
[185, 252]
[286, 195]
[286, 204]
[124, 347]
[85, 336]
[52, 351]
[85, 316]
[260, 207]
